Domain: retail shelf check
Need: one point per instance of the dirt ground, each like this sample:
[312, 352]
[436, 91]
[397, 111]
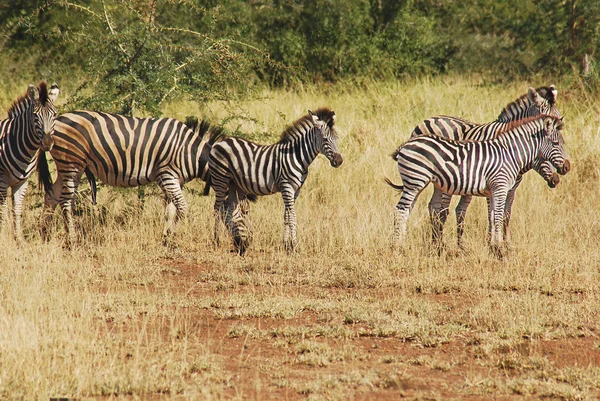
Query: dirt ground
[260, 368]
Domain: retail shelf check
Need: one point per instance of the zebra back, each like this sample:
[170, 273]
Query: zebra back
[129, 151]
[535, 102]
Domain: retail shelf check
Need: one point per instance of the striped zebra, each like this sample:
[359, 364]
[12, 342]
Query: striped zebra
[242, 170]
[125, 152]
[28, 128]
[487, 168]
[535, 102]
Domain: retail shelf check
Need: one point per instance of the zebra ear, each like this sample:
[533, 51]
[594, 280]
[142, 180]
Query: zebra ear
[314, 117]
[33, 93]
[554, 92]
[53, 93]
[534, 97]
[548, 125]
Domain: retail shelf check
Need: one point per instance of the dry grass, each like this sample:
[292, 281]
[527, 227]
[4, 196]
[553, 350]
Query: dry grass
[121, 317]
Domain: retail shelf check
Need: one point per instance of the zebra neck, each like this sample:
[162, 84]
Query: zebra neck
[520, 147]
[304, 147]
[515, 111]
[21, 136]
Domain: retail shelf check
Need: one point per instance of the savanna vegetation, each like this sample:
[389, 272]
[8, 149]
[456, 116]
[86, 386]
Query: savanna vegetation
[119, 316]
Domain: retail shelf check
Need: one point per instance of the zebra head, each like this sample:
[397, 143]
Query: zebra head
[323, 119]
[553, 145]
[43, 112]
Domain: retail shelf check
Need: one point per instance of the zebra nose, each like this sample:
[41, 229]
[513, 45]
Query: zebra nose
[554, 180]
[337, 160]
[565, 168]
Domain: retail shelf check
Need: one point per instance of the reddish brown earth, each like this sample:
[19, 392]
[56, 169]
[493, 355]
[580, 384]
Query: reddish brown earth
[248, 360]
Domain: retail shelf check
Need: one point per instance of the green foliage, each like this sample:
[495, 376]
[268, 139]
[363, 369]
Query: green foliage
[131, 56]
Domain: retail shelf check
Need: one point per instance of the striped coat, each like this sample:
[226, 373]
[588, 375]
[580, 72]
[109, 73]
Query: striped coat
[486, 168]
[126, 152]
[535, 102]
[28, 128]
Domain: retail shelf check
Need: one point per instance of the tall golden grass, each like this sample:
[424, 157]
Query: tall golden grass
[105, 319]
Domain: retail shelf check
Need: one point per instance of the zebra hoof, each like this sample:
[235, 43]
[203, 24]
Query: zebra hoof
[240, 245]
[497, 251]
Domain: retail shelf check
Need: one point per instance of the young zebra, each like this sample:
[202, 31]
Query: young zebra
[536, 102]
[125, 152]
[241, 170]
[488, 168]
[29, 127]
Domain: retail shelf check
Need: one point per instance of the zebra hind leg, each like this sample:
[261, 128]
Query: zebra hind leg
[461, 214]
[438, 214]
[403, 208]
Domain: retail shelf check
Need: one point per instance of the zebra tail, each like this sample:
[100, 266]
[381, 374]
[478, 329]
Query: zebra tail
[92, 180]
[252, 198]
[44, 177]
[395, 186]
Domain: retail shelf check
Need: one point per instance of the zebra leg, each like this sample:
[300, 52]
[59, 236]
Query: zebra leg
[50, 203]
[510, 198]
[176, 207]
[69, 187]
[290, 243]
[438, 213]
[243, 221]
[403, 208]
[18, 195]
[497, 205]
[234, 220]
[461, 214]
[3, 198]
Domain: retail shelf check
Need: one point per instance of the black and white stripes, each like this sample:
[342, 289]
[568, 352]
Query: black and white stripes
[241, 169]
[126, 152]
[29, 127]
[535, 102]
[487, 168]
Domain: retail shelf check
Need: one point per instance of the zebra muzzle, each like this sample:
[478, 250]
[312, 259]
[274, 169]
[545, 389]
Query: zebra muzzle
[337, 160]
[47, 143]
[554, 180]
[565, 168]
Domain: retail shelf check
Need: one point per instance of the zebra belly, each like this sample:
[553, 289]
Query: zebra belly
[463, 185]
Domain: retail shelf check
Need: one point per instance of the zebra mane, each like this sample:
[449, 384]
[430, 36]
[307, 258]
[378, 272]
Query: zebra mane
[291, 131]
[547, 92]
[203, 128]
[22, 102]
[515, 124]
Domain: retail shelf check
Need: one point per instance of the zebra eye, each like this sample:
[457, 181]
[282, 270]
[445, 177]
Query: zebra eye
[555, 143]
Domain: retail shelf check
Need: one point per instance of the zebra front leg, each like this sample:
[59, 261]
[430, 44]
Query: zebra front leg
[497, 207]
[290, 242]
[50, 203]
[461, 214]
[18, 195]
[510, 198]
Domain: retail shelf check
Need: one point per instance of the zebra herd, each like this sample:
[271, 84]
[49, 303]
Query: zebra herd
[457, 156]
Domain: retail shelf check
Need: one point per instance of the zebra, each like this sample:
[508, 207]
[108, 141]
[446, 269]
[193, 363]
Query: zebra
[535, 102]
[486, 168]
[125, 151]
[241, 170]
[28, 128]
